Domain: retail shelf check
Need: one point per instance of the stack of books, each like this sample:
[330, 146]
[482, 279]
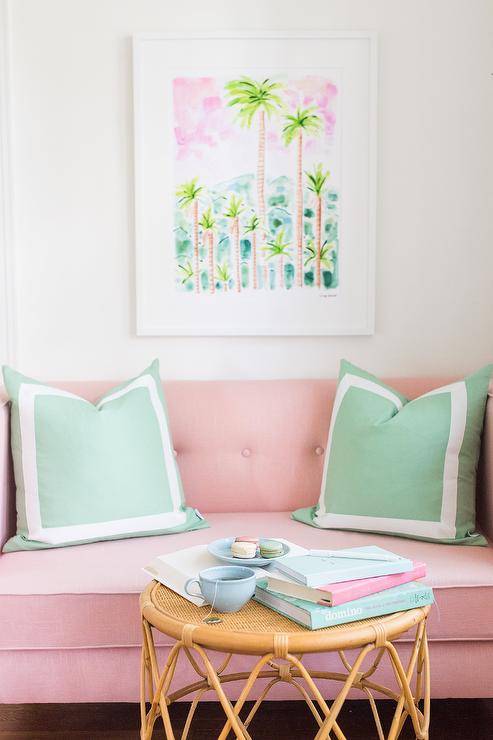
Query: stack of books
[320, 589]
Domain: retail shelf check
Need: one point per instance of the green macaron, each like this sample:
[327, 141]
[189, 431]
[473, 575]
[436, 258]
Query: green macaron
[271, 548]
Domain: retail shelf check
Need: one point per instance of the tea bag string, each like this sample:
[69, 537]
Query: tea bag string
[207, 617]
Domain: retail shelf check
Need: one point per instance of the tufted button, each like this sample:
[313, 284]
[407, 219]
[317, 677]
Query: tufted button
[319, 450]
[175, 453]
[246, 452]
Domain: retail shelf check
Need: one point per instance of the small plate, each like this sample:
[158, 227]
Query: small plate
[222, 549]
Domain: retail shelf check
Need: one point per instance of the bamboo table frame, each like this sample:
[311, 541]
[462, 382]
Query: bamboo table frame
[280, 645]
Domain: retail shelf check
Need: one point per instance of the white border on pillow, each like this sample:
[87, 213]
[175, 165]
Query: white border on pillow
[445, 528]
[76, 532]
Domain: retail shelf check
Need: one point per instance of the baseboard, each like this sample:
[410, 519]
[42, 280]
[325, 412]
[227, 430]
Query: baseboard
[452, 719]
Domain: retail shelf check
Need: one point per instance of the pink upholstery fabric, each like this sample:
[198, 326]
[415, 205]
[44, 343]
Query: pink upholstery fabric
[87, 596]
[112, 674]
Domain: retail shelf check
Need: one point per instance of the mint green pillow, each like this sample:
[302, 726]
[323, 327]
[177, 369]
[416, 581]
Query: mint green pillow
[402, 467]
[87, 472]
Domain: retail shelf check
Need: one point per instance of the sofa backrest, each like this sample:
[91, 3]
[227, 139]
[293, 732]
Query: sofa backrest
[248, 445]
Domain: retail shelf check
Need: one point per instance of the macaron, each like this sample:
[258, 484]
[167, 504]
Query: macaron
[255, 540]
[243, 549]
[271, 549]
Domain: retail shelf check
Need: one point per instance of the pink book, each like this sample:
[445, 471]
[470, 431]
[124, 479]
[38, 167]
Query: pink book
[339, 593]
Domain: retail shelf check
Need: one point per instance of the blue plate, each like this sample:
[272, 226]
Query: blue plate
[221, 549]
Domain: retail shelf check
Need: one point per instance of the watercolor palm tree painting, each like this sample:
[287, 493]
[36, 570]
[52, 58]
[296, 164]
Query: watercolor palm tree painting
[302, 123]
[257, 197]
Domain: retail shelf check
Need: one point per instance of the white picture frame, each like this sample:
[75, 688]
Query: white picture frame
[167, 307]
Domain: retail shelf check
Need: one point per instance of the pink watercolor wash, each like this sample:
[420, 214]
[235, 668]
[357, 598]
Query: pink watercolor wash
[199, 120]
[203, 121]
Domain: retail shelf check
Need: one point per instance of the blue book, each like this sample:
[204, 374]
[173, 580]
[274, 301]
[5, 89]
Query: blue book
[314, 616]
[316, 571]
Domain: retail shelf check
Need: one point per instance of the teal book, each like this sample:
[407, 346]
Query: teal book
[316, 571]
[314, 616]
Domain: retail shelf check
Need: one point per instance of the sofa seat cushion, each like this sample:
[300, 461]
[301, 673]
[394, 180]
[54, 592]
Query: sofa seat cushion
[87, 596]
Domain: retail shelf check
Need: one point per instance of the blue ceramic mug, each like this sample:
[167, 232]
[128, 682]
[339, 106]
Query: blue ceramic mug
[227, 587]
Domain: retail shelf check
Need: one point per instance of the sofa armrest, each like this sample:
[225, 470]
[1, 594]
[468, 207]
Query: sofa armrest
[485, 473]
[7, 486]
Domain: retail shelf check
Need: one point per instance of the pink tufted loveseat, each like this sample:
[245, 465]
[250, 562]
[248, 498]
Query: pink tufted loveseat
[249, 452]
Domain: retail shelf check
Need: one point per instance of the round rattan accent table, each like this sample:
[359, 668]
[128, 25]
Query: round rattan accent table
[280, 645]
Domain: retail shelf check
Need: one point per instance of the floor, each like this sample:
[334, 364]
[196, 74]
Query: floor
[451, 719]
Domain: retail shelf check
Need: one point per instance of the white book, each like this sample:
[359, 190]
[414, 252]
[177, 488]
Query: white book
[175, 568]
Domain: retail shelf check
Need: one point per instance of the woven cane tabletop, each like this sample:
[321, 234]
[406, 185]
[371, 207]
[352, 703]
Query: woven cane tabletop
[169, 612]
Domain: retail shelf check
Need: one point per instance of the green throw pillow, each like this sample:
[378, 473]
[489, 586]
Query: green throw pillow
[87, 472]
[402, 467]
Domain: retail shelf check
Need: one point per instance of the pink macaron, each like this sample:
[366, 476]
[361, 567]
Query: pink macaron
[254, 540]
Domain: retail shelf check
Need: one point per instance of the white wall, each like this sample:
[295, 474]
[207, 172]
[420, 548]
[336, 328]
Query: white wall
[73, 175]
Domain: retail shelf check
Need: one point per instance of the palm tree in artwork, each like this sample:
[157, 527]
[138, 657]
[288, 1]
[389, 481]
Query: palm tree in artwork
[322, 257]
[304, 122]
[317, 180]
[208, 224]
[188, 198]
[256, 99]
[223, 275]
[233, 211]
[279, 247]
[187, 272]
[252, 228]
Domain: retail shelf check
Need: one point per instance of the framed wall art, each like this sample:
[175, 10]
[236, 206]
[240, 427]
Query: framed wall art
[255, 183]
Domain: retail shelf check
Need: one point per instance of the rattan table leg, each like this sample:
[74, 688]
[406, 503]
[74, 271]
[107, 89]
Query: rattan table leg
[303, 672]
[246, 690]
[408, 702]
[260, 699]
[191, 712]
[159, 687]
[233, 719]
[328, 725]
